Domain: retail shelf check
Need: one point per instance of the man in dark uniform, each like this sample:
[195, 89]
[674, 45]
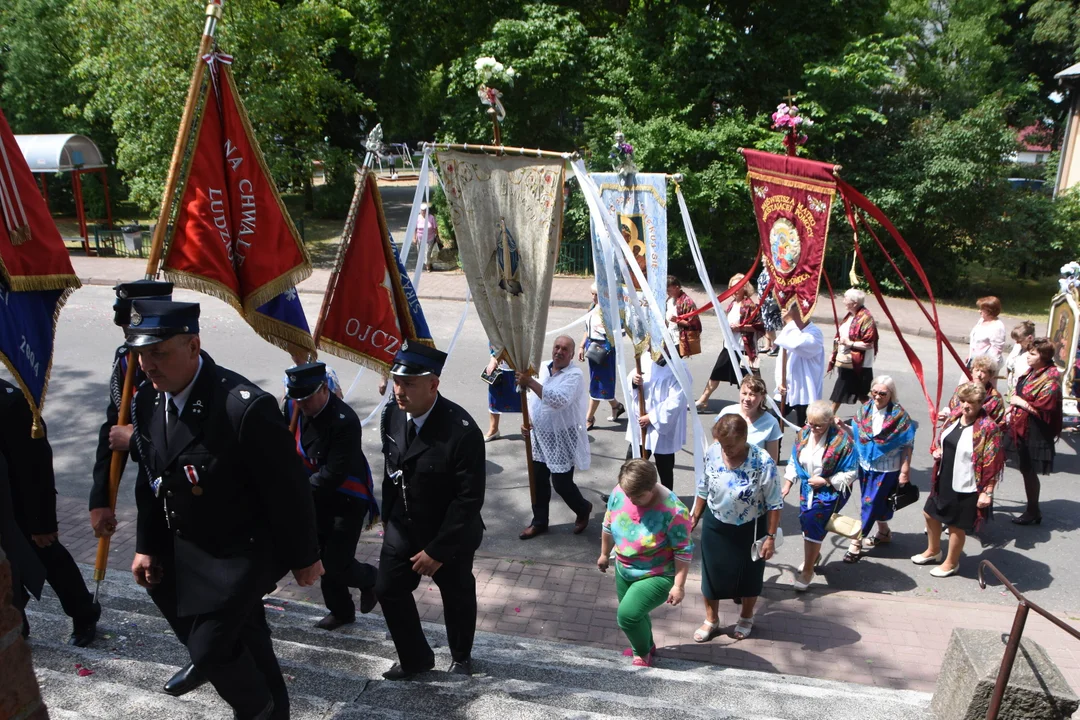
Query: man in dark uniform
[33, 498]
[433, 490]
[327, 439]
[226, 511]
[113, 436]
[118, 437]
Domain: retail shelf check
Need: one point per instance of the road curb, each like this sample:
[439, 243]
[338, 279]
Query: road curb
[825, 321]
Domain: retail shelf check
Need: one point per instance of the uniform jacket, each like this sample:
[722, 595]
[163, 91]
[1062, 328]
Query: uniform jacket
[99, 493]
[29, 461]
[334, 457]
[252, 517]
[444, 473]
[26, 567]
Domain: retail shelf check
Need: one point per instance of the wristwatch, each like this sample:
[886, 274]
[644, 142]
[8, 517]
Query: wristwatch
[771, 535]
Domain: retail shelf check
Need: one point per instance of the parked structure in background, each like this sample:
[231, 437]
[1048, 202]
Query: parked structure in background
[1069, 167]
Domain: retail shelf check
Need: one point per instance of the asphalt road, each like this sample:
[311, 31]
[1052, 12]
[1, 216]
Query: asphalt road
[1036, 558]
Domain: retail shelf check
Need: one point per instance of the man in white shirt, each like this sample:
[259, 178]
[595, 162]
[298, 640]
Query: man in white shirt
[559, 441]
[804, 347]
[663, 426]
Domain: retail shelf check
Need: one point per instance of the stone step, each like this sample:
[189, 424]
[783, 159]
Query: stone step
[338, 675]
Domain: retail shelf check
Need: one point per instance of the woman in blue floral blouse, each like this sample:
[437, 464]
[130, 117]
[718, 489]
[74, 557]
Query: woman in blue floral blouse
[739, 498]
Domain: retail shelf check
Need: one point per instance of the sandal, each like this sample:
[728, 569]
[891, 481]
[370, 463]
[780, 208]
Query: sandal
[589, 423]
[852, 557]
[701, 405]
[879, 539]
[707, 631]
[617, 413]
[743, 628]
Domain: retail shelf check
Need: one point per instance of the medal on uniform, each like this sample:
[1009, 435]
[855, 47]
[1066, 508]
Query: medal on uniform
[193, 478]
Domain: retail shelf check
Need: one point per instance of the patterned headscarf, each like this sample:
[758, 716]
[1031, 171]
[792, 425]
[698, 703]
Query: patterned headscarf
[1042, 390]
[994, 405]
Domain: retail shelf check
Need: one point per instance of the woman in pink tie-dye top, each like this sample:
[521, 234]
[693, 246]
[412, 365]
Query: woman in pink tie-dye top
[649, 529]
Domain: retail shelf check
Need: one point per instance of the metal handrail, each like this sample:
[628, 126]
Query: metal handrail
[1015, 634]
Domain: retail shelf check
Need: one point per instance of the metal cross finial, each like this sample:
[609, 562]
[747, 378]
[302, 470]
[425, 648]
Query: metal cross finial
[373, 143]
[789, 97]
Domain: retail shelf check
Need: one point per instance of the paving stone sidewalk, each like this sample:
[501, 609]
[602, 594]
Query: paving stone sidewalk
[873, 639]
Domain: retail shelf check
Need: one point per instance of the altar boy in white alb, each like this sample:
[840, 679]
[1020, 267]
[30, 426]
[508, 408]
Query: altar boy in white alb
[805, 350]
[664, 423]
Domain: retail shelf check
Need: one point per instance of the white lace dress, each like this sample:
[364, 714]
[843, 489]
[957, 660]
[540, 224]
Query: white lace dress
[559, 439]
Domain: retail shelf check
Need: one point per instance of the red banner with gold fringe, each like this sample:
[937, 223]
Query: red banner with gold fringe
[792, 200]
[233, 238]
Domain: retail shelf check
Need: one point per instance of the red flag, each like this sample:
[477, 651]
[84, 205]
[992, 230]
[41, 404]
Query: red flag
[792, 199]
[32, 253]
[233, 237]
[367, 317]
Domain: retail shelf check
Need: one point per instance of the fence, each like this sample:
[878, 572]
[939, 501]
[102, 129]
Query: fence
[575, 258]
[133, 241]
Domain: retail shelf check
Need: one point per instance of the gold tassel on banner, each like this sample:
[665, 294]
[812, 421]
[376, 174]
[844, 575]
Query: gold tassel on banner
[20, 235]
[853, 276]
[36, 431]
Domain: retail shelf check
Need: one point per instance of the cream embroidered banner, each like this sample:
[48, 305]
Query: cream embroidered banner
[507, 216]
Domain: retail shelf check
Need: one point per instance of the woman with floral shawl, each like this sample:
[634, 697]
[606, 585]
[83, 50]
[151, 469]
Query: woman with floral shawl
[968, 462]
[857, 336]
[983, 372]
[884, 435]
[825, 464]
[1035, 423]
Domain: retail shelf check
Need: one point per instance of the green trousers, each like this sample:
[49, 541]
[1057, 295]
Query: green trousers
[638, 598]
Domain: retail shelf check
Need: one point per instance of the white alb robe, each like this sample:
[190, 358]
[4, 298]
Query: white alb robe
[805, 362]
[666, 406]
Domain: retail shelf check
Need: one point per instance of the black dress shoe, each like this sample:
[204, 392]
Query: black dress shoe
[85, 629]
[399, 673]
[368, 601]
[333, 622]
[463, 667]
[184, 681]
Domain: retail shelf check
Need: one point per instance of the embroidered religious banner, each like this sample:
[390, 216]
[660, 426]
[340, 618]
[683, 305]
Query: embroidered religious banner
[639, 204]
[792, 199]
[32, 253]
[369, 314]
[507, 217]
[232, 237]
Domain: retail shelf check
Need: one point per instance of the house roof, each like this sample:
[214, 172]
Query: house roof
[1069, 73]
[1038, 134]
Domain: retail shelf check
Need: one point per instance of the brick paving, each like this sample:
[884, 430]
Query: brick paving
[873, 639]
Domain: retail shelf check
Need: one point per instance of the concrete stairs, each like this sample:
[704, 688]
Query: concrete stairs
[339, 675]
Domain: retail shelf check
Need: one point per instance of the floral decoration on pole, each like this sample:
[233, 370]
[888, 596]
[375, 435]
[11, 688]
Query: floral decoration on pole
[1070, 277]
[622, 157]
[787, 119]
[490, 71]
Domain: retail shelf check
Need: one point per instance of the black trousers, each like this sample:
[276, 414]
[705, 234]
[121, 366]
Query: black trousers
[395, 587]
[665, 465]
[67, 582]
[339, 532]
[231, 647]
[800, 413]
[564, 485]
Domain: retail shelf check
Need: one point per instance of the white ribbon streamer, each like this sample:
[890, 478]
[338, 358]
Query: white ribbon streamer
[564, 328]
[609, 235]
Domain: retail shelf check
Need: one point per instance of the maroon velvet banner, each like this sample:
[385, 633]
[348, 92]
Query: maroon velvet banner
[792, 199]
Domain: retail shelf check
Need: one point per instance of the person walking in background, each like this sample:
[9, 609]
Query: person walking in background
[763, 429]
[805, 348]
[825, 465]
[434, 481]
[688, 331]
[601, 371]
[744, 318]
[559, 440]
[503, 395]
[853, 352]
[1016, 363]
[984, 373]
[884, 436]
[988, 335]
[1035, 420]
[648, 527]
[663, 426]
[739, 498]
[968, 462]
[770, 312]
[426, 221]
[328, 440]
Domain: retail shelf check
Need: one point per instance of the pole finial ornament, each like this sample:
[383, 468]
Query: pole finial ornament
[490, 71]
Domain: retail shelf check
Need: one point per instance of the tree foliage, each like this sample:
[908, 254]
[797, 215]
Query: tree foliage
[919, 100]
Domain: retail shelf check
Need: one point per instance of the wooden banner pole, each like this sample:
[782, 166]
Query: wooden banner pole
[641, 403]
[116, 464]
